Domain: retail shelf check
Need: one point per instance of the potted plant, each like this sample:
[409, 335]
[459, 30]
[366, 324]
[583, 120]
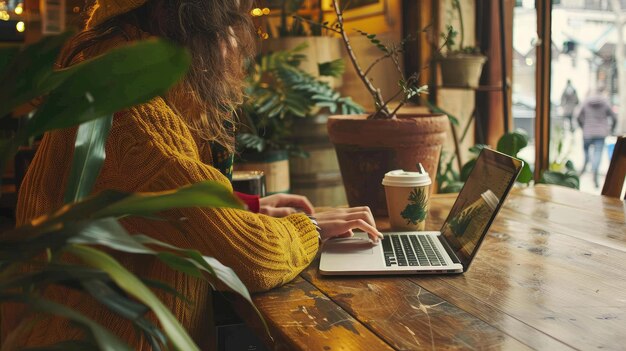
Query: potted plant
[86, 228]
[293, 30]
[460, 66]
[280, 94]
[368, 146]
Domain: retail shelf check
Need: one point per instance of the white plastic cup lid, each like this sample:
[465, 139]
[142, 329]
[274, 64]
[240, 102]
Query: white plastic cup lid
[402, 178]
[490, 198]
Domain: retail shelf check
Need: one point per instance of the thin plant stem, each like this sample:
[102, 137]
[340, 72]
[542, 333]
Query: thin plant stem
[396, 63]
[318, 24]
[376, 94]
[378, 60]
[457, 4]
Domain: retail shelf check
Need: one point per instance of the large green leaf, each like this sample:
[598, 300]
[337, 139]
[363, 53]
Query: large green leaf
[467, 169]
[512, 143]
[108, 232]
[122, 305]
[7, 54]
[568, 179]
[208, 264]
[333, 68]
[105, 340]
[111, 203]
[202, 194]
[101, 86]
[133, 286]
[89, 155]
[43, 274]
[180, 264]
[227, 276]
[29, 72]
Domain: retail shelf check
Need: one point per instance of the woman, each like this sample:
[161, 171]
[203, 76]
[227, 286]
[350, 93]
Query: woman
[170, 142]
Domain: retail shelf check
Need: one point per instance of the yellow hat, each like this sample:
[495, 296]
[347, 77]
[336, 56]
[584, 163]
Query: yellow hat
[102, 10]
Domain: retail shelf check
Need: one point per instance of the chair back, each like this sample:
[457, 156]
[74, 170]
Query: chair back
[614, 181]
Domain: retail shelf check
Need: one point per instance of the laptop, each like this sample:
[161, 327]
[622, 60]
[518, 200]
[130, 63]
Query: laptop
[449, 250]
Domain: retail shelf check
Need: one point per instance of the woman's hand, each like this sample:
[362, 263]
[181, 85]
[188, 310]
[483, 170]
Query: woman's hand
[340, 223]
[281, 205]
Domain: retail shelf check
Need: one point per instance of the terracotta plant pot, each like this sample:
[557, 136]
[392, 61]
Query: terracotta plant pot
[367, 149]
[462, 70]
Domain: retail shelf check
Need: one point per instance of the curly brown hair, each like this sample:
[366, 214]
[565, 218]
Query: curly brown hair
[220, 37]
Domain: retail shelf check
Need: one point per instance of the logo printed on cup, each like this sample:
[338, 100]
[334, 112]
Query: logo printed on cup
[407, 196]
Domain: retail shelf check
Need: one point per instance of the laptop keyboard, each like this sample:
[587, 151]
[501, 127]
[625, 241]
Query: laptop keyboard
[411, 250]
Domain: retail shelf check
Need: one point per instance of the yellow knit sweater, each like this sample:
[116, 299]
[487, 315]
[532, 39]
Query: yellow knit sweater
[150, 148]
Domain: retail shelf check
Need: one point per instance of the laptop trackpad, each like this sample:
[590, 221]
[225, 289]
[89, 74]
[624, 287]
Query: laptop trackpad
[349, 246]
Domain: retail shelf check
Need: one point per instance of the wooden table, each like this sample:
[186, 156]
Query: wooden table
[550, 275]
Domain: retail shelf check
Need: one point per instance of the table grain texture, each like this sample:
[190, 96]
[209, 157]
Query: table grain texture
[551, 275]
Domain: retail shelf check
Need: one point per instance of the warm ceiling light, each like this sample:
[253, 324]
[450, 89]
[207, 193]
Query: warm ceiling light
[266, 11]
[19, 9]
[4, 16]
[20, 26]
[256, 12]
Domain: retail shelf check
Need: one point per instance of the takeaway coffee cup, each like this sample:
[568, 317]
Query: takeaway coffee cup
[407, 196]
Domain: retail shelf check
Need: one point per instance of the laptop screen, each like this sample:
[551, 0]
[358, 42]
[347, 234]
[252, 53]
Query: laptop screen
[478, 202]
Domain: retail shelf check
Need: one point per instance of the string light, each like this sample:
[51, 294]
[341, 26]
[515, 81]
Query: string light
[4, 16]
[20, 26]
[258, 12]
[19, 9]
[261, 33]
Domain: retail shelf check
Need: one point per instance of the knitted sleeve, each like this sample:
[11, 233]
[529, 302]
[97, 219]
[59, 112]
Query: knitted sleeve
[150, 149]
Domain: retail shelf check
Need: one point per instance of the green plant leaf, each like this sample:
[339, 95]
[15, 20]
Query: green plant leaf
[133, 286]
[7, 54]
[202, 194]
[89, 155]
[568, 179]
[476, 149]
[126, 308]
[43, 274]
[210, 265]
[333, 68]
[101, 86]
[373, 39]
[467, 169]
[30, 71]
[111, 203]
[526, 175]
[105, 340]
[180, 264]
[107, 232]
[512, 143]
